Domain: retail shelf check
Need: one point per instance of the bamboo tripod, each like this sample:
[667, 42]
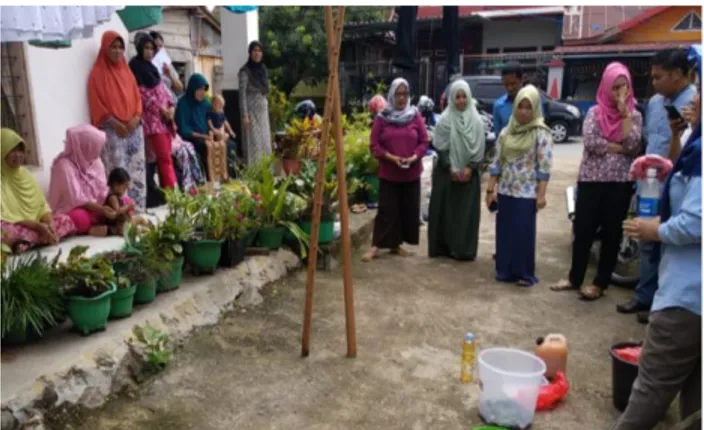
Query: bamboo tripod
[332, 114]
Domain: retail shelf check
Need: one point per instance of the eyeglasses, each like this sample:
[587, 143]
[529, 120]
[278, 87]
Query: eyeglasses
[402, 94]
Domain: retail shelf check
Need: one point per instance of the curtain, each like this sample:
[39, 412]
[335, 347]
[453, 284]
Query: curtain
[51, 23]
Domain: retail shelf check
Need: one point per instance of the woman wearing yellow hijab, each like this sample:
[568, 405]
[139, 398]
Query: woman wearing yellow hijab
[519, 175]
[26, 218]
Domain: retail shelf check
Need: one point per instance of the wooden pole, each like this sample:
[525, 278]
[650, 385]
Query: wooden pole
[344, 213]
[333, 61]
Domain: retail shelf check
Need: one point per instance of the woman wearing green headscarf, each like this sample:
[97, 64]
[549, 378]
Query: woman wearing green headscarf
[521, 170]
[191, 119]
[455, 201]
[26, 218]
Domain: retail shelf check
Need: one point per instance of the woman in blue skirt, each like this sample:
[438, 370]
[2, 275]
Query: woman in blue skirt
[519, 176]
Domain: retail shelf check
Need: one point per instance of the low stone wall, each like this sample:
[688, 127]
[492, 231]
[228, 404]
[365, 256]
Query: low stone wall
[73, 371]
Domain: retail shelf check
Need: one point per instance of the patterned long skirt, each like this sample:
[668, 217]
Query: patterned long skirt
[128, 153]
[187, 163]
[257, 138]
[27, 238]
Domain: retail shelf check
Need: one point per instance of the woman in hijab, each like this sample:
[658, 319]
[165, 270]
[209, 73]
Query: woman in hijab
[158, 107]
[254, 107]
[78, 186]
[116, 107]
[455, 201]
[521, 170]
[26, 217]
[399, 140]
[168, 72]
[612, 139]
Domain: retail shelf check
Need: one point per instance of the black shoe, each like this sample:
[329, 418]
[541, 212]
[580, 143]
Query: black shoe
[644, 317]
[632, 307]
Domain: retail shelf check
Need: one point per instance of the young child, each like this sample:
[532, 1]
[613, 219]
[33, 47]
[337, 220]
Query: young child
[117, 200]
[220, 130]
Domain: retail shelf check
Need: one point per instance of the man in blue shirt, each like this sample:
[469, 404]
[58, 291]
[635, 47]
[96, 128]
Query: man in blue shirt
[671, 358]
[512, 78]
[670, 76]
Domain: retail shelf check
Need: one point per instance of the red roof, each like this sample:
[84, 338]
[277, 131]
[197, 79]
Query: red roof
[435, 12]
[617, 48]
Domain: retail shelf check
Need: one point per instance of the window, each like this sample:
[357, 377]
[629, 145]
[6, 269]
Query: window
[493, 50]
[691, 22]
[16, 111]
[488, 90]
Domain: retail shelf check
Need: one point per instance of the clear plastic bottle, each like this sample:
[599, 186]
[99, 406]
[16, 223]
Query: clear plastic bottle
[649, 195]
[469, 348]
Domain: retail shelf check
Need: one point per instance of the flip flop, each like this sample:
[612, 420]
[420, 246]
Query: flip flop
[584, 293]
[562, 285]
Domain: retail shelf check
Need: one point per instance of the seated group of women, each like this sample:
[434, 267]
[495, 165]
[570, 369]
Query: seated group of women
[105, 173]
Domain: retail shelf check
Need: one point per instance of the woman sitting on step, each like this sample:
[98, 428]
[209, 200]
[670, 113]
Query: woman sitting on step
[27, 219]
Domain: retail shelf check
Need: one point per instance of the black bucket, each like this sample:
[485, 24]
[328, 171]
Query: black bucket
[623, 375]
[233, 252]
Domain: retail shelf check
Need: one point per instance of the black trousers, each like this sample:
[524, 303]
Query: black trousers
[397, 218]
[604, 206]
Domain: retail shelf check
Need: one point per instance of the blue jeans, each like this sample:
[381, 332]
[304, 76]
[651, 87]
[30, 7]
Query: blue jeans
[649, 262]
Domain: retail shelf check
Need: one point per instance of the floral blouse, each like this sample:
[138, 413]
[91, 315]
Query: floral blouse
[152, 100]
[598, 165]
[520, 177]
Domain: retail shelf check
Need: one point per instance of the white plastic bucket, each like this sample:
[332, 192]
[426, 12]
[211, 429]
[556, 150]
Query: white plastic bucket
[510, 380]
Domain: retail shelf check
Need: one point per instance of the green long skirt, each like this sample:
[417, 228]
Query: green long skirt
[453, 221]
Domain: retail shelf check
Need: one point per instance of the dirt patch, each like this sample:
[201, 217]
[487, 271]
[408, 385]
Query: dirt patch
[412, 313]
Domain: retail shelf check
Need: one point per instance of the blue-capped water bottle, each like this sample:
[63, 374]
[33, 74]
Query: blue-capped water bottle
[649, 195]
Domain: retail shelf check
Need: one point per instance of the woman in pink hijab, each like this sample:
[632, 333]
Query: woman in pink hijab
[78, 181]
[612, 140]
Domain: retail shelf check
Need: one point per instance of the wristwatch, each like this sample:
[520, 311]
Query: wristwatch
[488, 191]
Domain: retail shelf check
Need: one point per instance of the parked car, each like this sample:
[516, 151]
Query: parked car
[564, 119]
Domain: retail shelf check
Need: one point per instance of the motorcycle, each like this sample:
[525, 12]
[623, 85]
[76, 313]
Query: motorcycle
[490, 139]
[627, 271]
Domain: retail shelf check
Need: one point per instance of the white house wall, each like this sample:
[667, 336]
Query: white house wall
[537, 32]
[58, 80]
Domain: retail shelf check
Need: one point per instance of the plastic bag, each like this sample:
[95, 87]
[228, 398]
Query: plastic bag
[553, 393]
[629, 354]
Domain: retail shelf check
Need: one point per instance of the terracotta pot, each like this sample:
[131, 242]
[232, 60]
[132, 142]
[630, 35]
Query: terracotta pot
[291, 167]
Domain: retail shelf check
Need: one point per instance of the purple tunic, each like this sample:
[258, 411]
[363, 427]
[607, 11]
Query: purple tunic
[402, 141]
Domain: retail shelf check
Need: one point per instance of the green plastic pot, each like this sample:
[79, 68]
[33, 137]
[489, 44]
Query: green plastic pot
[327, 231]
[122, 302]
[146, 292]
[251, 238]
[271, 237]
[203, 255]
[172, 280]
[373, 192]
[90, 314]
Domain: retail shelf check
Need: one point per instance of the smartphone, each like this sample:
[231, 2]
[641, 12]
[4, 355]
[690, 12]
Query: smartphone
[673, 113]
[494, 206]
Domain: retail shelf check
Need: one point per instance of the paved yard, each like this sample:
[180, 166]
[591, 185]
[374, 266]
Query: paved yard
[246, 372]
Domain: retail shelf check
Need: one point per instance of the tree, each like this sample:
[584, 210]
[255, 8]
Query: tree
[295, 41]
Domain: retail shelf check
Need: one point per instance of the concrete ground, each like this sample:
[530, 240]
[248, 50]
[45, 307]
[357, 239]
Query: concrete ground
[412, 313]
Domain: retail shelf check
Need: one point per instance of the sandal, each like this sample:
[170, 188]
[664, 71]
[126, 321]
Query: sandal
[370, 255]
[590, 293]
[562, 285]
[401, 252]
[524, 283]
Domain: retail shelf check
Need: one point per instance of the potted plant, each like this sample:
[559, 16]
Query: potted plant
[304, 185]
[235, 205]
[272, 198]
[88, 285]
[203, 249]
[31, 299]
[123, 263]
[148, 265]
[300, 140]
[360, 163]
